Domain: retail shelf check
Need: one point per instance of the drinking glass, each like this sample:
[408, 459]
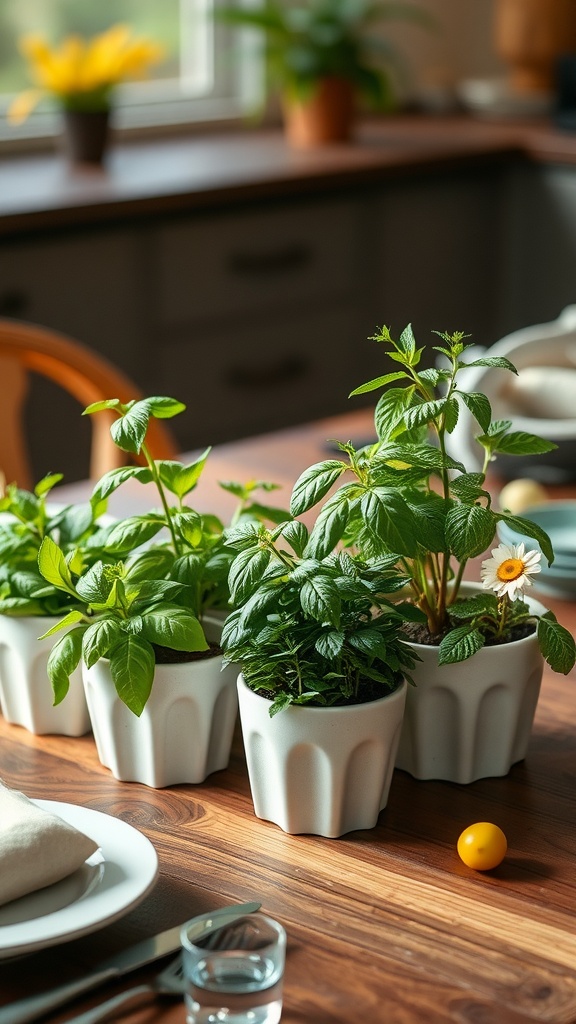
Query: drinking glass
[234, 975]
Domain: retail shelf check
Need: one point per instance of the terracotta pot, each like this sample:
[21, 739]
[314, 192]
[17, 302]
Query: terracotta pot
[325, 771]
[86, 135]
[530, 35]
[326, 116]
[473, 719]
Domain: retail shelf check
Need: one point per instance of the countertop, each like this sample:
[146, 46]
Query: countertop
[186, 173]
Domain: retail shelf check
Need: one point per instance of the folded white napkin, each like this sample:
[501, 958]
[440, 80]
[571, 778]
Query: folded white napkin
[37, 848]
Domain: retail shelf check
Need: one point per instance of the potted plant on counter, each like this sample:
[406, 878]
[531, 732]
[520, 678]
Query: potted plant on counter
[481, 646]
[82, 76]
[323, 681]
[162, 710]
[29, 605]
[323, 56]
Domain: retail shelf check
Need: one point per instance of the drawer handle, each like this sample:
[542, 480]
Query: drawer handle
[283, 372]
[279, 261]
[14, 302]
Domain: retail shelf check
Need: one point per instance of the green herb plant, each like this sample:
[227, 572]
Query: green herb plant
[308, 42]
[313, 631]
[161, 572]
[26, 518]
[405, 496]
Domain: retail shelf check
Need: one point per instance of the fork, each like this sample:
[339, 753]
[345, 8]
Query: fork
[169, 981]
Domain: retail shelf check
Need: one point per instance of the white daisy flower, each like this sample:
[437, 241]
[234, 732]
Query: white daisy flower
[509, 569]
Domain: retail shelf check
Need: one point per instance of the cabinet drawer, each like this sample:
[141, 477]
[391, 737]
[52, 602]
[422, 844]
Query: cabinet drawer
[256, 259]
[260, 378]
[86, 286]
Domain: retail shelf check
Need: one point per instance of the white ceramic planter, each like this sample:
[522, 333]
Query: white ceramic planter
[25, 690]
[185, 731]
[471, 720]
[324, 771]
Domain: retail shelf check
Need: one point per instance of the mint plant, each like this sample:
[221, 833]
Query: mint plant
[406, 497]
[321, 632]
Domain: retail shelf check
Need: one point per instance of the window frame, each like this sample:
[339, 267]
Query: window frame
[224, 84]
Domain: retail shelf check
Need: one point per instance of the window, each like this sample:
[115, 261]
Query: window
[208, 73]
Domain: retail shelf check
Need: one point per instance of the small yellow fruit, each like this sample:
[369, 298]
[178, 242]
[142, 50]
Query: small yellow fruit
[482, 846]
[521, 494]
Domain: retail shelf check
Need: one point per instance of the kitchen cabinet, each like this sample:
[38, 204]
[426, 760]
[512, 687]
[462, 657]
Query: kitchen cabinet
[256, 312]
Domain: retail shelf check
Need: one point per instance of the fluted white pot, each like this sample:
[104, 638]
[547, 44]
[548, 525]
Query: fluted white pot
[324, 771]
[183, 734]
[471, 720]
[26, 696]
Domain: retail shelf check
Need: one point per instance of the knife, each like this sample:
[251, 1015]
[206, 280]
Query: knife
[31, 1008]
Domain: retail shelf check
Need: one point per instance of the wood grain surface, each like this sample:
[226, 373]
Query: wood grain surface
[384, 926]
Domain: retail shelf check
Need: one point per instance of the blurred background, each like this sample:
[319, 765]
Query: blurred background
[210, 260]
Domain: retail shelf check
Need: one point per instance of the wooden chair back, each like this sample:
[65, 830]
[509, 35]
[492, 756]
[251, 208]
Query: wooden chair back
[87, 376]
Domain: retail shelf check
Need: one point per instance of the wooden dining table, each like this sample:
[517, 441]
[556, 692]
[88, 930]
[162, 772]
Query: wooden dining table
[385, 926]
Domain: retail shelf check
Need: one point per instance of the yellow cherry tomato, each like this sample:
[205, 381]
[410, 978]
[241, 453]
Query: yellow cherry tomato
[482, 846]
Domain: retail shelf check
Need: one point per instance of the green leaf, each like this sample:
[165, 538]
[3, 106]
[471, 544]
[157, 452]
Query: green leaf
[69, 620]
[108, 403]
[469, 487]
[163, 408]
[378, 382]
[461, 643]
[389, 521]
[132, 665]
[313, 484]
[519, 442]
[329, 645]
[425, 412]
[320, 599]
[99, 637]
[179, 479]
[498, 361]
[296, 534]
[329, 527]
[174, 627]
[528, 528]
[470, 530]
[47, 483]
[246, 573]
[421, 455]
[390, 411]
[557, 644]
[478, 405]
[451, 414]
[115, 477]
[63, 659]
[133, 532]
[406, 341]
[129, 431]
[94, 586]
[52, 565]
[189, 525]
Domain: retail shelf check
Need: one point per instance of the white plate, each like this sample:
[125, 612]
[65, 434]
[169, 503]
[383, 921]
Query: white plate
[111, 882]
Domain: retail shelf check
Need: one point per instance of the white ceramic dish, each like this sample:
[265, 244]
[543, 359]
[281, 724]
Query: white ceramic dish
[113, 881]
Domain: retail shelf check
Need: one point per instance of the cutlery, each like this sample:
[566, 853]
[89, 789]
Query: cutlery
[31, 1008]
[170, 981]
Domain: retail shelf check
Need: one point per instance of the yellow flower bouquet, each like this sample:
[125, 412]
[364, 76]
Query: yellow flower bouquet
[81, 74]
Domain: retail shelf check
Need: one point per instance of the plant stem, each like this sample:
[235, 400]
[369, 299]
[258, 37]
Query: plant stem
[156, 477]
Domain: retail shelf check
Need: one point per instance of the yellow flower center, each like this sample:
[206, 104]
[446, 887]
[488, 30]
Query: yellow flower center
[510, 569]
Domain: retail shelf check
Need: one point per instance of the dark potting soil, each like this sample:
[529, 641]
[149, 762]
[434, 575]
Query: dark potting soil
[418, 633]
[166, 656]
